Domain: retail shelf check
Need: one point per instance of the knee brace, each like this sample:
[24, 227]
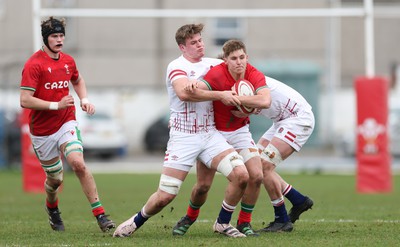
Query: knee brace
[271, 154]
[50, 189]
[54, 171]
[229, 162]
[248, 153]
[169, 184]
[73, 146]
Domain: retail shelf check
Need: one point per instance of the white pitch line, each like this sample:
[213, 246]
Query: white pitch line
[325, 221]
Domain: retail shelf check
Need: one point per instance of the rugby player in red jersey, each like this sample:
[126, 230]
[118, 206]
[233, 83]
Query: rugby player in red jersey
[54, 130]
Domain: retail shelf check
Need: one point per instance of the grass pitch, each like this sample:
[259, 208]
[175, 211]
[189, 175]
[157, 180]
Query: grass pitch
[340, 216]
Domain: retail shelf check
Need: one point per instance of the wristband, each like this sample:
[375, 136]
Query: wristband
[84, 101]
[53, 106]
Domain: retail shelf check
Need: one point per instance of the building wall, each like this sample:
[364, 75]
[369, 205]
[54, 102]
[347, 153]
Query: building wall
[136, 51]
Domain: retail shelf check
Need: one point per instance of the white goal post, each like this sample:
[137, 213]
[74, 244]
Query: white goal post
[365, 11]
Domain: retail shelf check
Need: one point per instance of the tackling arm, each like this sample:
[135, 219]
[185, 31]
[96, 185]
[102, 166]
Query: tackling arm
[201, 93]
[262, 99]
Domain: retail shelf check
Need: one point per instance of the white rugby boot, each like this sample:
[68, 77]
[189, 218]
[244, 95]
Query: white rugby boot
[227, 230]
[126, 228]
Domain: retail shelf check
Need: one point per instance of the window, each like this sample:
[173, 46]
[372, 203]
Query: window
[228, 28]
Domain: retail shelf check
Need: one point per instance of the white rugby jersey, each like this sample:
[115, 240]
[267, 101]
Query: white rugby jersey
[285, 101]
[189, 117]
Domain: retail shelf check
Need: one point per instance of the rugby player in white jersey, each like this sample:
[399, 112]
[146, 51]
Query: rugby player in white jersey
[193, 136]
[293, 123]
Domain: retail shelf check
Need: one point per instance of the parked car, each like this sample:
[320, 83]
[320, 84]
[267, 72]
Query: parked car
[102, 135]
[347, 143]
[10, 138]
[157, 135]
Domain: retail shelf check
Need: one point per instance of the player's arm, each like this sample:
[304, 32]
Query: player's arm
[201, 92]
[80, 89]
[27, 100]
[261, 100]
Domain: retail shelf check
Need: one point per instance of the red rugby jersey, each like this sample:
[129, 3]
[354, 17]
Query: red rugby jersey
[219, 79]
[49, 79]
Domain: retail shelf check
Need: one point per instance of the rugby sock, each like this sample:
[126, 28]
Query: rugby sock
[225, 215]
[97, 208]
[193, 211]
[245, 213]
[293, 195]
[52, 205]
[281, 215]
[141, 218]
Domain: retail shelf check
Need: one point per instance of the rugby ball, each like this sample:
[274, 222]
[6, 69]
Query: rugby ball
[244, 88]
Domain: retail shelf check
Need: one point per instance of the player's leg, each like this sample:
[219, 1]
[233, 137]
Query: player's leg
[71, 147]
[198, 197]
[274, 153]
[242, 140]
[54, 178]
[300, 202]
[254, 167]
[187, 148]
[230, 164]
[295, 133]
[48, 155]
[170, 182]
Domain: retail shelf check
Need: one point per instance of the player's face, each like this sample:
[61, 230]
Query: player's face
[237, 62]
[56, 41]
[193, 50]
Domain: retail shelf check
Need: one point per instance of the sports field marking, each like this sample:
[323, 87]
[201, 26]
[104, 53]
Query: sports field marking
[326, 221]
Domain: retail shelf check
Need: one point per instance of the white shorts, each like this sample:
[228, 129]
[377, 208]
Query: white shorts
[240, 138]
[48, 147]
[184, 149]
[295, 131]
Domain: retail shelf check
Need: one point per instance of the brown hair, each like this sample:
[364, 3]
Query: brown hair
[231, 46]
[187, 31]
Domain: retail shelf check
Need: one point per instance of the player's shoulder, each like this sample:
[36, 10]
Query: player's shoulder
[176, 62]
[35, 60]
[66, 56]
[212, 61]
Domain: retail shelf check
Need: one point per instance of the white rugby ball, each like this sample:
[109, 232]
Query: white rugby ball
[244, 88]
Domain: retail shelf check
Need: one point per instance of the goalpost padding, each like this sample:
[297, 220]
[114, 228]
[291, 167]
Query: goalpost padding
[33, 176]
[372, 152]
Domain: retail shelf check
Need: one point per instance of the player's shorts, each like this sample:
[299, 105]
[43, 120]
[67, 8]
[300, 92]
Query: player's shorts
[240, 138]
[48, 147]
[183, 149]
[295, 131]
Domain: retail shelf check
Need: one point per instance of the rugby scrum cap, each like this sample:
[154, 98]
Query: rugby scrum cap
[51, 26]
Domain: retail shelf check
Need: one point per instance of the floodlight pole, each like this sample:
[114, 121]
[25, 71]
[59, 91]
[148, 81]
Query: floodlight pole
[36, 7]
[369, 38]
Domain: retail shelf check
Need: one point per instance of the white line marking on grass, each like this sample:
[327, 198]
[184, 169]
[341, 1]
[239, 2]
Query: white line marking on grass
[326, 221]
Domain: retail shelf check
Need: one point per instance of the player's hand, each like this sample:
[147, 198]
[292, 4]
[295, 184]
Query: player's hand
[239, 114]
[65, 102]
[191, 85]
[230, 98]
[257, 111]
[88, 108]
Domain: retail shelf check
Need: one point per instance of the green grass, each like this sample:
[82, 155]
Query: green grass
[340, 216]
